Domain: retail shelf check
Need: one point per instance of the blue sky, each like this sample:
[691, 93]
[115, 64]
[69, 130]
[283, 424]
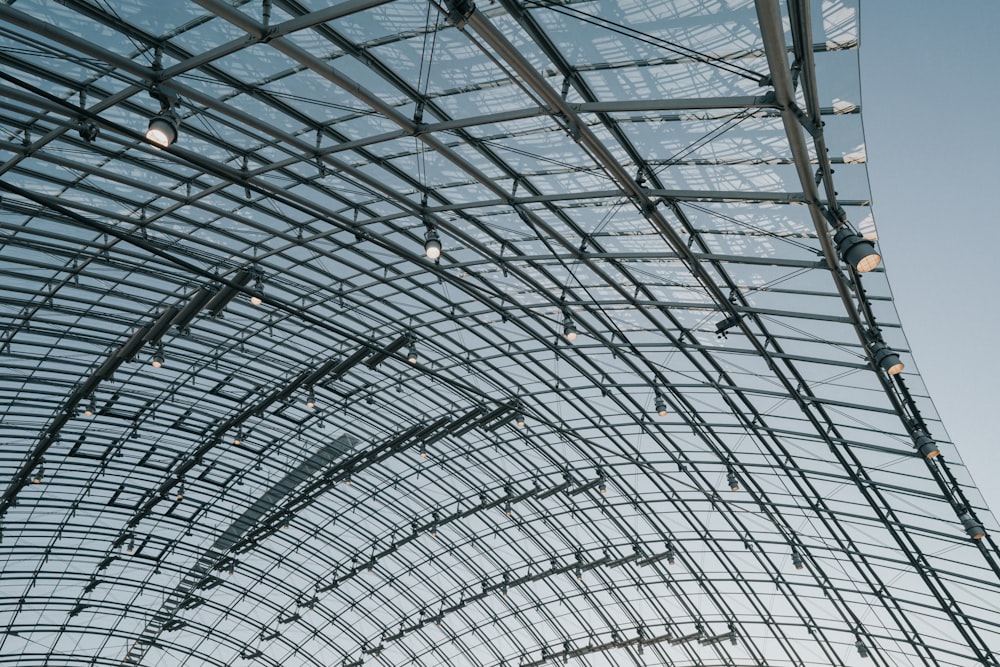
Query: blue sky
[929, 88]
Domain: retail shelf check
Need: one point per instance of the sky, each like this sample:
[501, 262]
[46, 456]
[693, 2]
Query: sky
[929, 87]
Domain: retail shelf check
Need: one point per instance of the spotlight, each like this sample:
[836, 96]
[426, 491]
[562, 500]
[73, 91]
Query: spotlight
[797, 560]
[661, 405]
[734, 481]
[886, 358]
[579, 574]
[670, 554]
[180, 491]
[925, 444]
[411, 356]
[519, 420]
[432, 244]
[856, 250]
[423, 451]
[603, 486]
[37, 477]
[569, 327]
[862, 649]
[238, 438]
[347, 480]
[163, 128]
[257, 294]
[158, 359]
[311, 400]
[88, 131]
[973, 528]
[91, 408]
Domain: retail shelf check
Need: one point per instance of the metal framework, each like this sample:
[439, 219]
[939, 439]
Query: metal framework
[635, 413]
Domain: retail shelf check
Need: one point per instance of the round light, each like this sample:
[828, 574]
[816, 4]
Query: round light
[569, 329]
[925, 445]
[519, 420]
[887, 359]
[162, 130]
[856, 250]
[432, 244]
[257, 296]
[411, 356]
[158, 360]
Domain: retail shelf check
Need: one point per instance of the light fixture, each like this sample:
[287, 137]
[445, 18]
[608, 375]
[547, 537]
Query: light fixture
[180, 490]
[347, 480]
[257, 294]
[432, 244]
[507, 509]
[238, 438]
[434, 524]
[519, 420]
[411, 355]
[91, 408]
[569, 327]
[886, 358]
[862, 649]
[311, 400]
[733, 480]
[661, 405]
[88, 131]
[579, 573]
[670, 554]
[602, 485]
[925, 444]
[973, 528]
[423, 451]
[39, 473]
[797, 560]
[131, 544]
[158, 359]
[856, 250]
[162, 129]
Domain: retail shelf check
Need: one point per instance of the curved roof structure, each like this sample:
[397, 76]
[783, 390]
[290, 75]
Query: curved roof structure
[635, 412]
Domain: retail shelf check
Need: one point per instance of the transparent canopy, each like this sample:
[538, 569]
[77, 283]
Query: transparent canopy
[643, 408]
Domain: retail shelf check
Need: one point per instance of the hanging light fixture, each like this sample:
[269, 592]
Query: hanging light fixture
[39, 473]
[180, 490]
[862, 649]
[733, 480]
[432, 243]
[257, 293]
[311, 399]
[238, 438]
[411, 355]
[164, 127]
[519, 420]
[602, 485]
[569, 326]
[661, 405]
[670, 554]
[797, 560]
[91, 408]
[856, 250]
[158, 359]
[886, 359]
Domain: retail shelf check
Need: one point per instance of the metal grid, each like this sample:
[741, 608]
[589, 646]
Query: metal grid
[656, 176]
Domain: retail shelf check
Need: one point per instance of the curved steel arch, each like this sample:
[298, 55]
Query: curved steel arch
[661, 174]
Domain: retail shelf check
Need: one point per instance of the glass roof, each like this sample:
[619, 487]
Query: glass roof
[635, 413]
